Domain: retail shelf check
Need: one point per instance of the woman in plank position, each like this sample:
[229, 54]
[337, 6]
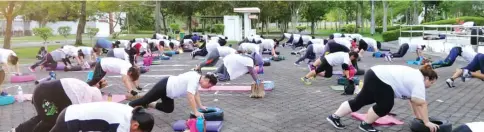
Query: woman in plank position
[129, 73]
[172, 87]
[325, 64]
[465, 52]
[51, 97]
[418, 48]
[212, 58]
[105, 117]
[314, 50]
[382, 84]
[474, 69]
[50, 60]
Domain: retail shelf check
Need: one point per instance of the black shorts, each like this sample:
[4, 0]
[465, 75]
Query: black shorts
[363, 45]
[99, 73]
[326, 67]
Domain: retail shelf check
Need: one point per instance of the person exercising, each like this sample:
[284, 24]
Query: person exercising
[51, 59]
[236, 65]
[418, 48]
[466, 52]
[129, 73]
[382, 84]
[7, 58]
[475, 69]
[172, 87]
[325, 64]
[213, 57]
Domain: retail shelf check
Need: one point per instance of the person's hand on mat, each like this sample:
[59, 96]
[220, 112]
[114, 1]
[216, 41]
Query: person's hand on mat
[275, 56]
[433, 127]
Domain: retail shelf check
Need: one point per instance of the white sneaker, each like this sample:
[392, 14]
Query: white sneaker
[465, 73]
[450, 83]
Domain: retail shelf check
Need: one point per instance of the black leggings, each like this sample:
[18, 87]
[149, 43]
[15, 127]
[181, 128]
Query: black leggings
[325, 67]
[99, 73]
[401, 51]
[47, 106]
[47, 61]
[462, 128]
[363, 45]
[158, 91]
[200, 52]
[332, 47]
[374, 91]
[309, 54]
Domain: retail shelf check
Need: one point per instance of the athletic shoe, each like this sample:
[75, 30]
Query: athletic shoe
[192, 55]
[465, 74]
[306, 81]
[31, 69]
[335, 122]
[295, 63]
[367, 127]
[450, 83]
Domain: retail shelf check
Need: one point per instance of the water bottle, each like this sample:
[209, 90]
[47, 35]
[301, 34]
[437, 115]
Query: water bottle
[20, 94]
[52, 75]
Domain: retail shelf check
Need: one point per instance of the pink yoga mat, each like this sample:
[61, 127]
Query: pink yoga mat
[229, 88]
[116, 97]
[25, 97]
[386, 120]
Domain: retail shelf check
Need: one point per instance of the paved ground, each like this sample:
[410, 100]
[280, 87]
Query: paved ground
[292, 106]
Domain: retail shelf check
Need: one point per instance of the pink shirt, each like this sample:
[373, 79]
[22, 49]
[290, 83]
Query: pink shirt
[80, 92]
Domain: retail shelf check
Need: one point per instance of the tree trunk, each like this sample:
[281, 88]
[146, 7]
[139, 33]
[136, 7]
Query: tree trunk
[415, 13]
[312, 27]
[82, 23]
[157, 17]
[372, 26]
[425, 13]
[164, 23]
[358, 16]
[190, 24]
[111, 25]
[8, 30]
[385, 9]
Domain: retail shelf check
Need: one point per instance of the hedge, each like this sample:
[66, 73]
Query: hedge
[389, 28]
[391, 35]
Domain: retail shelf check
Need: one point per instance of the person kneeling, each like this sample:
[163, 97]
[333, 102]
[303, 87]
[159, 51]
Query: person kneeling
[325, 64]
[382, 84]
[129, 73]
[104, 116]
[169, 88]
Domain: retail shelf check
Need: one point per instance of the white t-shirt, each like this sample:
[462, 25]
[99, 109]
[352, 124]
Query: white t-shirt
[317, 41]
[116, 114]
[175, 42]
[212, 45]
[139, 40]
[58, 54]
[125, 43]
[166, 43]
[250, 46]
[338, 58]
[287, 35]
[306, 39]
[318, 49]
[115, 65]
[187, 41]
[86, 50]
[71, 50]
[161, 36]
[476, 126]
[237, 64]
[267, 44]
[343, 41]
[355, 36]
[80, 92]
[225, 50]
[296, 38]
[468, 53]
[120, 53]
[406, 82]
[413, 47]
[4, 54]
[337, 35]
[178, 86]
[214, 38]
[371, 42]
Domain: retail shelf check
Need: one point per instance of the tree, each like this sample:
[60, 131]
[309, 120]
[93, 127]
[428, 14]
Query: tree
[314, 11]
[9, 9]
[294, 8]
[372, 28]
[82, 23]
[64, 31]
[385, 9]
[92, 32]
[184, 8]
[44, 33]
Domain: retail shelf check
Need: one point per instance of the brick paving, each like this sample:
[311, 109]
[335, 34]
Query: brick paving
[292, 106]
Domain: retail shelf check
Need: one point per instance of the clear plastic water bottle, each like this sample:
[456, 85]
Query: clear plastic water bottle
[52, 75]
[20, 94]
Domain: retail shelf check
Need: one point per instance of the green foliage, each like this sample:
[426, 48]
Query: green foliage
[219, 28]
[389, 28]
[43, 33]
[175, 27]
[92, 32]
[301, 28]
[64, 31]
[349, 28]
[391, 35]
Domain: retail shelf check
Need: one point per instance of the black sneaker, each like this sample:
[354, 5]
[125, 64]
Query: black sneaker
[367, 127]
[335, 122]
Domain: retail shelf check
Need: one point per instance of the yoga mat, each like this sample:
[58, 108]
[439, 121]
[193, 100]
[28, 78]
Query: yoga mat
[211, 126]
[26, 97]
[337, 87]
[386, 120]
[209, 68]
[115, 98]
[229, 88]
[410, 62]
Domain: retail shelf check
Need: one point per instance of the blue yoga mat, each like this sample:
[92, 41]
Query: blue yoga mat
[413, 62]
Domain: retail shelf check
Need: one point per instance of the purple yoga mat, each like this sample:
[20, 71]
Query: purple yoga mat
[212, 126]
[59, 67]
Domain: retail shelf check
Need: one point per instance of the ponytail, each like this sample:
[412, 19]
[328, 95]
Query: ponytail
[427, 71]
[145, 120]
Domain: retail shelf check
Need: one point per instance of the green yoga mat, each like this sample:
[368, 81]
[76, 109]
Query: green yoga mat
[156, 62]
[338, 87]
[209, 68]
